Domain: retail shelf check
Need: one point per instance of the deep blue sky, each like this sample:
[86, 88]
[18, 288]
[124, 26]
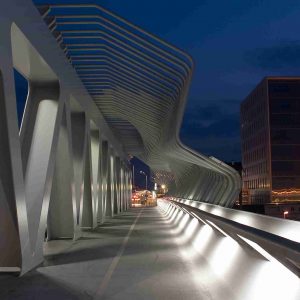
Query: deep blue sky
[234, 43]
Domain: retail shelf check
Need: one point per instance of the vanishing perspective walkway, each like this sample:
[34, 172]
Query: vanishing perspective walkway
[132, 256]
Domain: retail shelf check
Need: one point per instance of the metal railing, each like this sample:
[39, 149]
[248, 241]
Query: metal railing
[277, 237]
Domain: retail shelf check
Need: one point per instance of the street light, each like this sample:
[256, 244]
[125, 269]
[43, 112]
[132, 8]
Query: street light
[143, 173]
[133, 183]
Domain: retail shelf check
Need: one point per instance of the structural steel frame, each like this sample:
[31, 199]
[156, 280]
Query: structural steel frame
[100, 89]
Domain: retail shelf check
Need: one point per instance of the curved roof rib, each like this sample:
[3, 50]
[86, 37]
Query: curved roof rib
[140, 84]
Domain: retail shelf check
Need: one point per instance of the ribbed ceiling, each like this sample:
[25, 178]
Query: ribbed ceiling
[140, 84]
[134, 78]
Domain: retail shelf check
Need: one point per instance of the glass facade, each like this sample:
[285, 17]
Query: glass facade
[255, 146]
[270, 129]
[284, 106]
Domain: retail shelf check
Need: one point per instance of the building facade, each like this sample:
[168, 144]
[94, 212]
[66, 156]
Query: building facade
[270, 134]
[237, 165]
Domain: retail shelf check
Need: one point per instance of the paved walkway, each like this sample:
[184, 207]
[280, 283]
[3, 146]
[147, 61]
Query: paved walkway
[133, 256]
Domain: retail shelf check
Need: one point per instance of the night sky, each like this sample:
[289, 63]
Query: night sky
[234, 43]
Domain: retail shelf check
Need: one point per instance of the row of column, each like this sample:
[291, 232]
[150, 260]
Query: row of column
[57, 176]
[90, 182]
[58, 172]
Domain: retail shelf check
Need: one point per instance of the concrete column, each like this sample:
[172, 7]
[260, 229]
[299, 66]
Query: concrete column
[110, 184]
[100, 184]
[105, 178]
[117, 207]
[40, 162]
[78, 126]
[87, 203]
[95, 173]
[61, 220]
[10, 246]
[122, 187]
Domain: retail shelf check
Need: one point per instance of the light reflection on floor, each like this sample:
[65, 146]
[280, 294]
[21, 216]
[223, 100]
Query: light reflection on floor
[217, 258]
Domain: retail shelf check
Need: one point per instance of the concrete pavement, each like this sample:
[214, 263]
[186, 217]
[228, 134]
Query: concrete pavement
[132, 256]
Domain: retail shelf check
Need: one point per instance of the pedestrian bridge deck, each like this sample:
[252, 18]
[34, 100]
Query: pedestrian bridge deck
[145, 253]
[132, 256]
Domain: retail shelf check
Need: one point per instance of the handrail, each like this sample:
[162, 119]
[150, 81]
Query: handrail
[284, 248]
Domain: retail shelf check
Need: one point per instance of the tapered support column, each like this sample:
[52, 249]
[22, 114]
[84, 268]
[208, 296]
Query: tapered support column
[117, 205]
[79, 141]
[100, 215]
[40, 161]
[95, 166]
[87, 203]
[62, 208]
[104, 179]
[110, 184]
[11, 244]
[122, 188]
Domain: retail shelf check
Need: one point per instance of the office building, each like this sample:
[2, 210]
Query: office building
[270, 133]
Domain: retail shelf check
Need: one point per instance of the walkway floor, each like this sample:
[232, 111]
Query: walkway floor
[133, 256]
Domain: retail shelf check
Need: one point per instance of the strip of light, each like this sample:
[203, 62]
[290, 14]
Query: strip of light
[218, 228]
[200, 219]
[258, 248]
